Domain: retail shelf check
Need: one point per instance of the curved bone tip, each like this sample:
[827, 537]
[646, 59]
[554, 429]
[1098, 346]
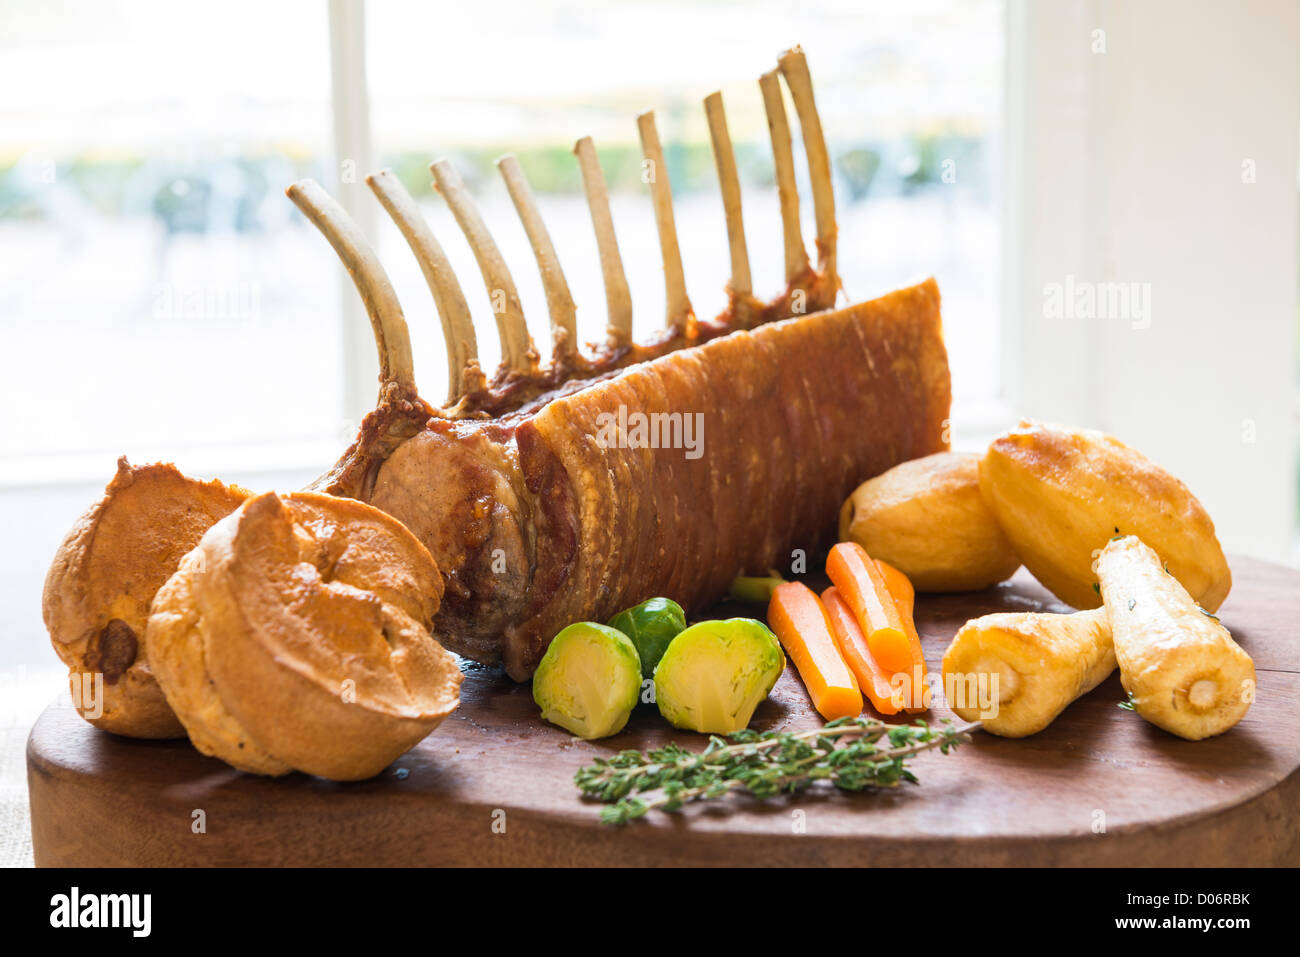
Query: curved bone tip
[442, 169]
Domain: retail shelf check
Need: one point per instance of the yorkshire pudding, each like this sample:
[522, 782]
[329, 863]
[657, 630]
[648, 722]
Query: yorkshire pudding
[103, 579]
[298, 636]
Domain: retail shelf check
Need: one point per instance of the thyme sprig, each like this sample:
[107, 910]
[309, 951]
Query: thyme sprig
[847, 752]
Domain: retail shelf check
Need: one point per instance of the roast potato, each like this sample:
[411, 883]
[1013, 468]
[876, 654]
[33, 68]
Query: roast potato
[1060, 494]
[927, 518]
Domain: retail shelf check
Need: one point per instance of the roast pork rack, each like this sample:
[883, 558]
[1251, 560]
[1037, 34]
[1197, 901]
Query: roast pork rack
[535, 517]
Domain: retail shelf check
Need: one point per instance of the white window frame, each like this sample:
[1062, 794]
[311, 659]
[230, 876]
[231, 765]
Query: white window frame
[353, 158]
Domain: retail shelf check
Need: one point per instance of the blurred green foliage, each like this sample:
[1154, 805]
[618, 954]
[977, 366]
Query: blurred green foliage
[176, 191]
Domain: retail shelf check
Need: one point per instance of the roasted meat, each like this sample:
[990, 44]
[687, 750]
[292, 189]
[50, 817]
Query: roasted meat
[549, 495]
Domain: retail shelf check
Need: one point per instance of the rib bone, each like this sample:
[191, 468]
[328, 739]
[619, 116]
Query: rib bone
[617, 296]
[559, 301]
[796, 257]
[661, 192]
[392, 339]
[517, 353]
[453, 311]
[742, 286]
[794, 66]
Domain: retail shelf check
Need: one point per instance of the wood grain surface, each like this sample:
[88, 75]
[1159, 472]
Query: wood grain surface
[494, 785]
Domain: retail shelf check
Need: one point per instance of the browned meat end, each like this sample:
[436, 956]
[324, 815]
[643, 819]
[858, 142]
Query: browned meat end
[453, 492]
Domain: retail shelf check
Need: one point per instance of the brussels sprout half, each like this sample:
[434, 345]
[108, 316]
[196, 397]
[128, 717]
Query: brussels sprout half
[589, 680]
[715, 673]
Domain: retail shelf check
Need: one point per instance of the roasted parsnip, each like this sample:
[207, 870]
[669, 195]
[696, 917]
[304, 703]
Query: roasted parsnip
[1179, 664]
[1017, 671]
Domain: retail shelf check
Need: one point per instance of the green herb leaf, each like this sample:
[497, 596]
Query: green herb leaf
[852, 754]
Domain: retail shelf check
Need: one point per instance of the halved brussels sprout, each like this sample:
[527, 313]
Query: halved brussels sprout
[588, 680]
[651, 625]
[715, 673]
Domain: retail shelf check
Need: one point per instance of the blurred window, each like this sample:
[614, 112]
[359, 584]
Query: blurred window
[160, 296]
[158, 293]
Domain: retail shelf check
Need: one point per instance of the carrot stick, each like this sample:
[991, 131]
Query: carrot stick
[799, 620]
[872, 679]
[904, 595]
[862, 586]
[900, 588]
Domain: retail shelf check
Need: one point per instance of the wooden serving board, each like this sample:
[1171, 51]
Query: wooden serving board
[494, 784]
